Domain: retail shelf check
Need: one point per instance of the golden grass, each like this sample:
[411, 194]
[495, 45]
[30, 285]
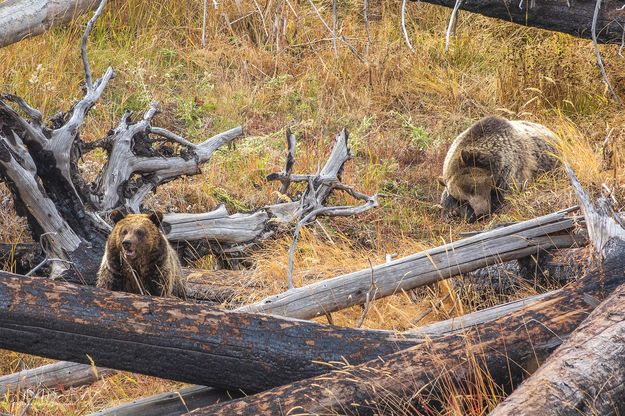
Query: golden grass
[401, 108]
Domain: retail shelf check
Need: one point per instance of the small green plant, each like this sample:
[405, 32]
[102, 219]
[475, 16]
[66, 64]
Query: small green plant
[419, 138]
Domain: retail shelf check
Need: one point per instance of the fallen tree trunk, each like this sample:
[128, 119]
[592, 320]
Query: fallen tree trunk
[505, 349]
[502, 244]
[574, 18]
[20, 19]
[538, 230]
[434, 330]
[170, 404]
[586, 374]
[52, 376]
[172, 339]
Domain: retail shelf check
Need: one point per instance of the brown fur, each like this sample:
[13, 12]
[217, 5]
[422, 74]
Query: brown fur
[139, 259]
[490, 157]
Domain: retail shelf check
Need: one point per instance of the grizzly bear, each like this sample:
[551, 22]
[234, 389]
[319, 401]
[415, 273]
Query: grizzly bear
[489, 158]
[139, 259]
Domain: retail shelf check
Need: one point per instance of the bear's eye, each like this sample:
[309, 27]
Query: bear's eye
[140, 233]
[124, 231]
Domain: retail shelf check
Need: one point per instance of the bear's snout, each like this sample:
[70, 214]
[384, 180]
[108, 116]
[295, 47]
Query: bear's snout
[126, 244]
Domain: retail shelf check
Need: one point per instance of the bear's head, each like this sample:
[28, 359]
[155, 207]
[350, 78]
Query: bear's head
[136, 236]
[472, 182]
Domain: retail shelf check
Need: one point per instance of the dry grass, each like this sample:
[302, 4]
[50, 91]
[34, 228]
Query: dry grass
[402, 109]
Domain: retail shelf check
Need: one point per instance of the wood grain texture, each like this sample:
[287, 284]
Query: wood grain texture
[52, 376]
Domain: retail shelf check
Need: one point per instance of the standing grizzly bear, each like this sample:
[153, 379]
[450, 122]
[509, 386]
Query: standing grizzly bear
[487, 159]
[139, 259]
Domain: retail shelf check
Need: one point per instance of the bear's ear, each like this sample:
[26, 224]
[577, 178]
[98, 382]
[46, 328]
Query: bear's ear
[441, 181]
[156, 217]
[479, 160]
[117, 215]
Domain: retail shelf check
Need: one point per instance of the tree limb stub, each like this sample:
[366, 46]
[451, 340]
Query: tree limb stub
[575, 19]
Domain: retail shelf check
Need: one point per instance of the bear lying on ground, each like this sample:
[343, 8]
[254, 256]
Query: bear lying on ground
[139, 259]
[487, 159]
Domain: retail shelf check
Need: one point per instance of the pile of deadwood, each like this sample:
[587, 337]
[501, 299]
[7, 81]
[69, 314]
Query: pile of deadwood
[266, 358]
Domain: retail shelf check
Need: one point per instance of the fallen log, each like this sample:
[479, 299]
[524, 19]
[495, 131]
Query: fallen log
[533, 234]
[574, 18]
[52, 376]
[586, 374]
[505, 348]
[20, 19]
[173, 339]
[502, 244]
[218, 286]
[170, 404]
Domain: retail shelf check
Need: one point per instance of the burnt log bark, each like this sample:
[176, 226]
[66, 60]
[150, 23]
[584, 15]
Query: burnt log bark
[172, 339]
[586, 374]
[505, 348]
[52, 376]
[20, 258]
[574, 17]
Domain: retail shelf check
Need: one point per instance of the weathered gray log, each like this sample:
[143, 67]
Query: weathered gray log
[505, 348]
[20, 19]
[173, 339]
[170, 404]
[502, 244]
[586, 374]
[574, 17]
[52, 376]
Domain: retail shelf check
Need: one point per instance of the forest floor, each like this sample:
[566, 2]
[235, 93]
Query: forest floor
[272, 64]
